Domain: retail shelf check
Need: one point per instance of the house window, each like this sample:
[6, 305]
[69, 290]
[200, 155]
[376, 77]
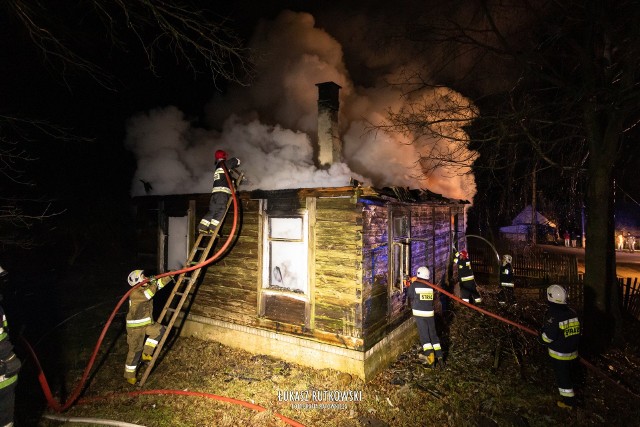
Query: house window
[286, 266]
[284, 295]
[400, 251]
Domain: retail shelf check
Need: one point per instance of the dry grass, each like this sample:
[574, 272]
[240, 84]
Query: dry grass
[476, 388]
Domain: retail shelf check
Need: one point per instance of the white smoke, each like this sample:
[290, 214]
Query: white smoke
[270, 126]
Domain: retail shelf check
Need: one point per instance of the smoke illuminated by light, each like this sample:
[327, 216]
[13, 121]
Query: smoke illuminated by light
[271, 124]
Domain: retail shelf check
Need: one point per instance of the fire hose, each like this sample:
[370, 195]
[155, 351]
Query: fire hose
[583, 361]
[61, 407]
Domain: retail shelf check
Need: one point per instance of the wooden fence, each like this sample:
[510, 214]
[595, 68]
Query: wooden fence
[535, 269]
[630, 295]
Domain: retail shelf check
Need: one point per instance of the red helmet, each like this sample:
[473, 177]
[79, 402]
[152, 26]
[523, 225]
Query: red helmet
[464, 254]
[221, 155]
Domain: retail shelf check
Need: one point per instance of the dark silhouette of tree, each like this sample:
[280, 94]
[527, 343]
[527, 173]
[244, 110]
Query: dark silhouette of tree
[101, 47]
[557, 92]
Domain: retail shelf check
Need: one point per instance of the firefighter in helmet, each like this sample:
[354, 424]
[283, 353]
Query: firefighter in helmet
[468, 289]
[143, 333]
[507, 286]
[421, 299]
[561, 334]
[220, 193]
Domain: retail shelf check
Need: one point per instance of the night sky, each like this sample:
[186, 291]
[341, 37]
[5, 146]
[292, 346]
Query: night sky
[354, 43]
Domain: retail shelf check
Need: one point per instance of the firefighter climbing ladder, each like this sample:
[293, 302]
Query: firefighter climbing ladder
[184, 284]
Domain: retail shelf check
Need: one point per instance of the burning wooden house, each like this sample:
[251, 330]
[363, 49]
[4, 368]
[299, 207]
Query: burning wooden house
[315, 275]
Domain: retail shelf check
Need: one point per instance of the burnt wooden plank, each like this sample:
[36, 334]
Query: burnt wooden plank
[341, 203]
[284, 309]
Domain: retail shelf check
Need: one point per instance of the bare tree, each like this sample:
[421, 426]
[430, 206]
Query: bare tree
[556, 85]
[94, 38]
[195, 36]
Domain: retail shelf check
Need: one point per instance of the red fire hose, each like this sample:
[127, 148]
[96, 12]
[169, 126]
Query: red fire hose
[586, 363]
[60, 407]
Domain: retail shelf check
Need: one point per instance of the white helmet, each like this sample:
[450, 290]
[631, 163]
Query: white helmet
[135, 277]
[557, 294]
[506, 258]
[423, 273]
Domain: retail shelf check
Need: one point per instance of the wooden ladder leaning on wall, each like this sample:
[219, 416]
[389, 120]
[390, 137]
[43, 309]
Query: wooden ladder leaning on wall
[184, 285]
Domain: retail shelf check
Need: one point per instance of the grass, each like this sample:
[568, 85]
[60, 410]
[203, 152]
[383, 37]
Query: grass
[470, 391]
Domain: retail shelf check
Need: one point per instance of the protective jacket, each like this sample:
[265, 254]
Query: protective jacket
[220, 183]
[140, 312]
[465, 273]
[421, 299]
[561, 332]
[506, 275]
[9, 368]
[9, 362]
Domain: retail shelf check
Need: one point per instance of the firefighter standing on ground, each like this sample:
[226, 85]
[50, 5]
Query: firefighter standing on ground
[421, 299]
[140, 323]
[507, 285]
[468, 289]
[561, 333]
[220, 193]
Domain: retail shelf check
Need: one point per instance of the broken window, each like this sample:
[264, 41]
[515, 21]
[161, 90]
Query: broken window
[400, 250]
[286, 253]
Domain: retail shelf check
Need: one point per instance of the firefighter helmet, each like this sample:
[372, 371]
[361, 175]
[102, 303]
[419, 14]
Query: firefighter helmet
[135, 277]
[506, 258]
[221, 155]
[557, 294]
[464, 254]
[423, 273]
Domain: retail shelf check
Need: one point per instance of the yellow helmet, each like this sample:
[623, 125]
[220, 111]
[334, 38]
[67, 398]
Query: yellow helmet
[135, 277]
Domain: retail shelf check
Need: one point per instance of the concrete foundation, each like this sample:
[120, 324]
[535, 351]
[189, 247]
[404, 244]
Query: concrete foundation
[314, 354]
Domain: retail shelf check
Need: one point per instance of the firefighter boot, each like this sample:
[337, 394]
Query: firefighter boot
[441, 364]
[146, 357]
[132, 381]
[203, 226]
[428, 357]
[564, 405]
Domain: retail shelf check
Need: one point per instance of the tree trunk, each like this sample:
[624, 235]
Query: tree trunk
[601, 310]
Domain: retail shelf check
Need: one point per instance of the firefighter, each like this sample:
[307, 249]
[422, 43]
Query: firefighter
[507, 286]
[421, 299]
[140, 323]
[9, 368]
[561, 334]
[220, 193]
[468, 290]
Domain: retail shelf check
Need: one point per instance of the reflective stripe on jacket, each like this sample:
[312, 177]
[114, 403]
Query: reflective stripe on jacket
[140, 304]
[561, 332]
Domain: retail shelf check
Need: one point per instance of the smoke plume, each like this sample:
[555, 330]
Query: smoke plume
[271, 126]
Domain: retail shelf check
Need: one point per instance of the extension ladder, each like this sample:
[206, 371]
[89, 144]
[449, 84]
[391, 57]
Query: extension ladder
[199, 253]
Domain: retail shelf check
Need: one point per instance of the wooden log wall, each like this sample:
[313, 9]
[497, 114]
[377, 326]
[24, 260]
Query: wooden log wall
[338, 266]
[228, 290]
[375, 272]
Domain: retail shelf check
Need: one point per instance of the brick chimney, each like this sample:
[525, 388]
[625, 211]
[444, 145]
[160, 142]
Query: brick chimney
[329, 144]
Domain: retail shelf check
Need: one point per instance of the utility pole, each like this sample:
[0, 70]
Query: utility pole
[534, 228]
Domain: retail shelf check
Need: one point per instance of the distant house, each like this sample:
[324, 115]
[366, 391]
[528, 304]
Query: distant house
[522, 226]
[316, 274]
